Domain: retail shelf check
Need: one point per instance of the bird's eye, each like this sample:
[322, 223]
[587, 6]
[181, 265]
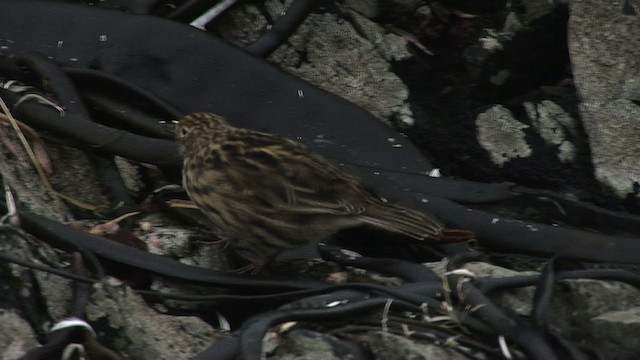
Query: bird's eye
[183, 132]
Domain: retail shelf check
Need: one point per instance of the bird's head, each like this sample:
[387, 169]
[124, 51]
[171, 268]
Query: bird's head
[198, 129]
[199, 123]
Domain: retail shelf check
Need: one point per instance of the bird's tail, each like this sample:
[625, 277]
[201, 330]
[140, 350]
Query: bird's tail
[412, 223]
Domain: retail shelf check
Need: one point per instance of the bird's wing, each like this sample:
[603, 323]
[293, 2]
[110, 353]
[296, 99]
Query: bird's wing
[284, 176]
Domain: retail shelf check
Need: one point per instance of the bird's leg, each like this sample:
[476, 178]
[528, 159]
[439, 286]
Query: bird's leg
[456, 235]
[222, 243]
[252, 268]
[255, 266]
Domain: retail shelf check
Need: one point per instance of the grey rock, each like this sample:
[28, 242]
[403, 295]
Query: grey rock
[130, 173]
[500, 77]
[501, 135]
[516, 300]
[386, 346]
[496, 49]
[605, 53]
[599, 313]
[29, 191]
[136, 331]
[329, 52]
[340, 61]
[57, 294]
[512, 25]
[350, 58]
[75, 176]
[168, 238]
[620, 329]
[310, 345]
[490, 42]
[613, 129]
[631, 90]
[424, 11]
[16, 336]
[535, 9]
[392, 47]
[242, 25]
[368, 8]
[580, 308]
[605, 49]
[577, 303]
[35, 295]
[55, 291]
[406, 5]
[276, 8]
[554, 125]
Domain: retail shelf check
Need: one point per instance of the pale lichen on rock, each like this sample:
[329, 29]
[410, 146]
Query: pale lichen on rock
[501, 135]
[554, 126]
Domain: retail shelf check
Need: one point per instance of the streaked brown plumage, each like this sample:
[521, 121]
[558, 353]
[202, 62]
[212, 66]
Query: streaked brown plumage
[274, 194]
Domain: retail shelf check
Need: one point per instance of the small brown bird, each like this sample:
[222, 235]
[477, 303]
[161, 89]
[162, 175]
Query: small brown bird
[273, 194]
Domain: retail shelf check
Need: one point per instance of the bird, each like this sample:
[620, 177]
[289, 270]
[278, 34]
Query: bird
[272, 194]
